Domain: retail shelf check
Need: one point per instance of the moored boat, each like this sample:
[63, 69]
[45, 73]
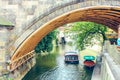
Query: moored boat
[89, 61]
[71, 57]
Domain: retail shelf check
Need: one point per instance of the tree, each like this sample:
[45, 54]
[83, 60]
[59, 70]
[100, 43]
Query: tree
[85, 32]
[45, 45]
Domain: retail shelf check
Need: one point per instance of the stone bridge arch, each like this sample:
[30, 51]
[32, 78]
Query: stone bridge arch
[106, 15]
[109, 17]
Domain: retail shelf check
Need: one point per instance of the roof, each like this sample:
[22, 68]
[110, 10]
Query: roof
[4, 22]
[71, 53]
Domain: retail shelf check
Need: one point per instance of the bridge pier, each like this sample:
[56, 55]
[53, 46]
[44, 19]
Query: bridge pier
[4, 55]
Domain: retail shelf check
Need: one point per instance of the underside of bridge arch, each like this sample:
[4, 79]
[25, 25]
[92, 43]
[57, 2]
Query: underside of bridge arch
[106, 15]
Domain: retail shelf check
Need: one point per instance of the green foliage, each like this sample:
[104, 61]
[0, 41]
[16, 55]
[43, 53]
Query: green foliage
[45, 45]
[86, 31]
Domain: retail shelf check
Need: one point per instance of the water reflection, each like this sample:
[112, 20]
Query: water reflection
[52, 67]
[62, 72]
[43, 64]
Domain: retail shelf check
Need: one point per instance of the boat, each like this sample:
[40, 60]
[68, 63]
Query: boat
[71, 57]
[89, 63]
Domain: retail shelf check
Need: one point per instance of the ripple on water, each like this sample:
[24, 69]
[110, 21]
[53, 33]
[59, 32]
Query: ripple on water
[70, 72]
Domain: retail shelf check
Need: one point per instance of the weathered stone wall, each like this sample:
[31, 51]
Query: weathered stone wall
[20, 12]
[4, 33]
[110, 69]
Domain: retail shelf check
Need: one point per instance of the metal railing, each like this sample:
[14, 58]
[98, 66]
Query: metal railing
[19, 61]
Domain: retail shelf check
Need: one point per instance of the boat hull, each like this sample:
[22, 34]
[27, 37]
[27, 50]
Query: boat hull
[89, 63]
[72, 62]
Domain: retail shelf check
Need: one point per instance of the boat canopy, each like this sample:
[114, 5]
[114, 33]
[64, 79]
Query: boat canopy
[89, 57]
[71, 53]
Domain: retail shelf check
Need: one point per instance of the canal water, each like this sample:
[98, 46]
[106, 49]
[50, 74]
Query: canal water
[52, 67]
